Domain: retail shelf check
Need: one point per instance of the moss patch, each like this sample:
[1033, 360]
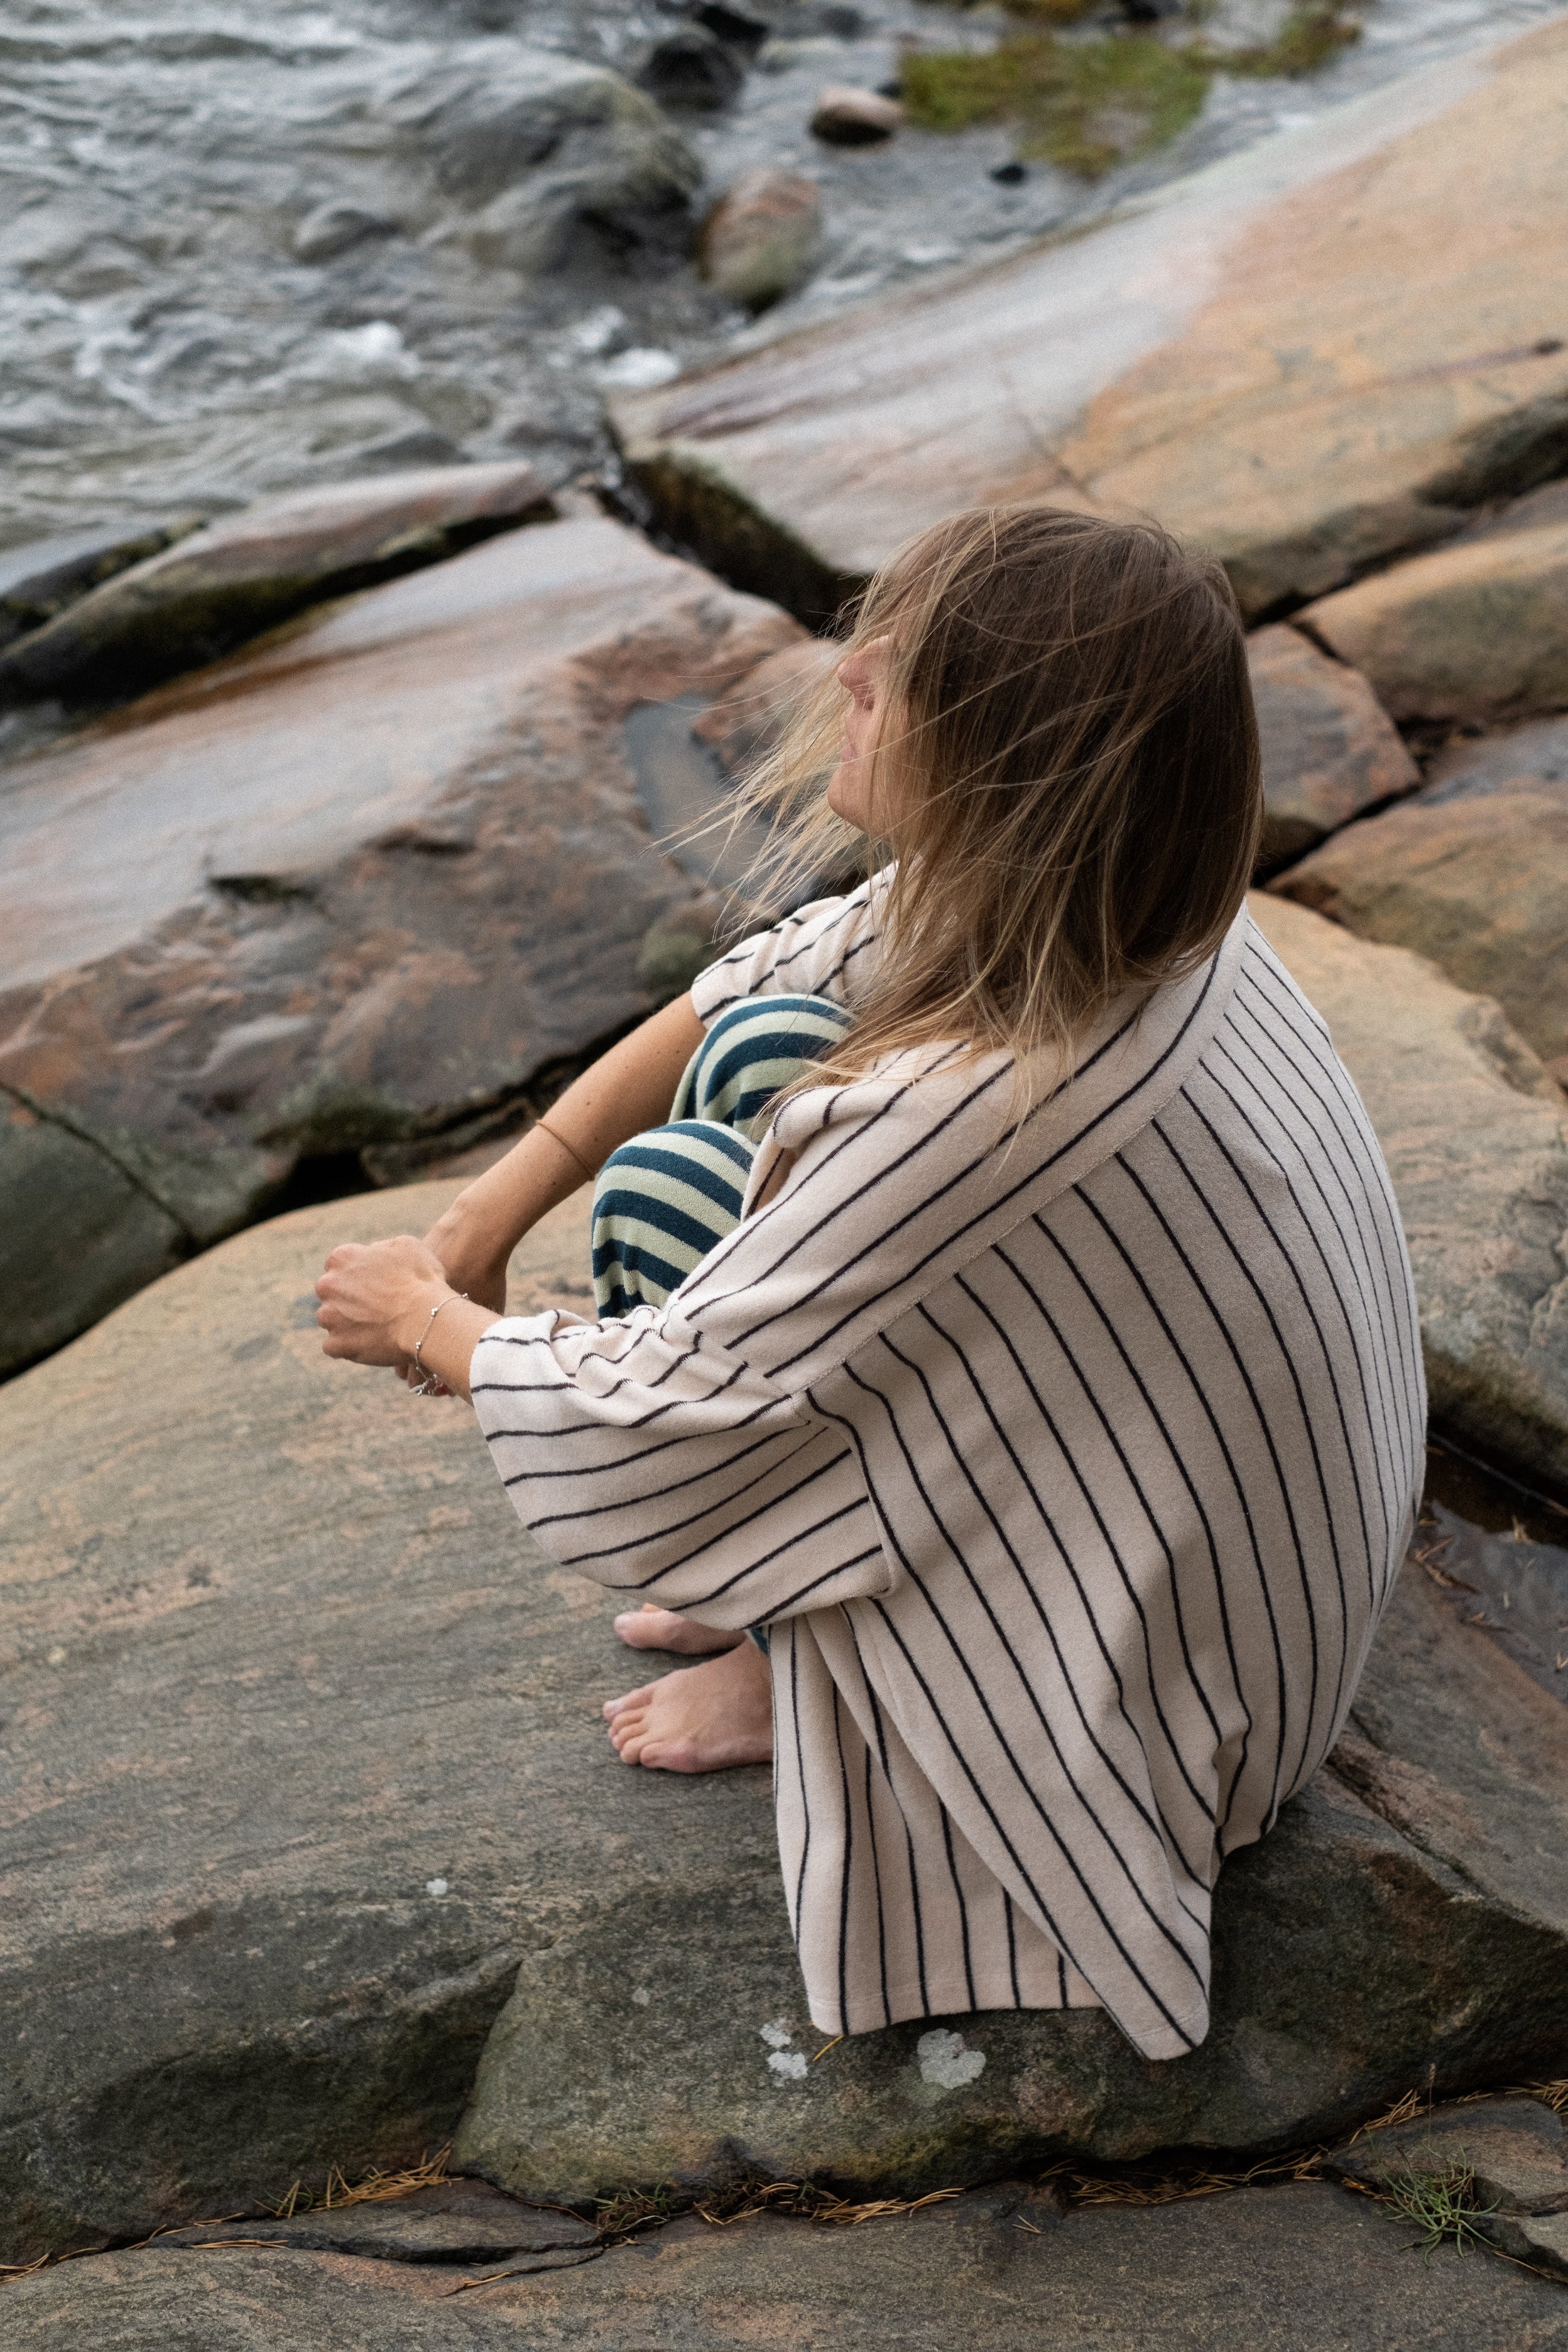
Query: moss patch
[1087, 105]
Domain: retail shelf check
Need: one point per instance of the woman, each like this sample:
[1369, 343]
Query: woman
[1019, 1337]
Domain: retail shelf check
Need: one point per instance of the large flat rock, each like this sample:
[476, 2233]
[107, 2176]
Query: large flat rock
[350, 890]
[1305, 358]
[195, 601]
[1479, 883]
[1301, 2268]
[1472, 1128]
[315, 1839]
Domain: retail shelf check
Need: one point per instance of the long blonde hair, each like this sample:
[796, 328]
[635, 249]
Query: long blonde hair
[1075, 770]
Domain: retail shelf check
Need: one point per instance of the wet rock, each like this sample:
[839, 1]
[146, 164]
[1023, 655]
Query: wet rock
[1330, 749]
[733, 24]
[1472, 1128]
[351, 890]
[87, 1232]
[451, 2221]
[199, 599]
[334, 228]
[1516, 2148]
[555, 158]
[1478, 885]
[1293, 2269]
[1197, 358]
[693, 70]
[314, 1774]
[38, 581]
[846, 117]
[761, 238]
[1473, 631]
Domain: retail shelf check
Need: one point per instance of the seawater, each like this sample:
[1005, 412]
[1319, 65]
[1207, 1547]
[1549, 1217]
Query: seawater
[162, 348]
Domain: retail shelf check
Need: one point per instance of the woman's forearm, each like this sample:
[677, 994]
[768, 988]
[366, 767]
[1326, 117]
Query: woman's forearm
[626, 1090]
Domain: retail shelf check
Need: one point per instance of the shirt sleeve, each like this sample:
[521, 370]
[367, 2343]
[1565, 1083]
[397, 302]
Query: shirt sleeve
[821, 949]
[645, 1455]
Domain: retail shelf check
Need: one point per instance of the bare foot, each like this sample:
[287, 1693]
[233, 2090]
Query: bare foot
[653, 1628]
[699, 1718]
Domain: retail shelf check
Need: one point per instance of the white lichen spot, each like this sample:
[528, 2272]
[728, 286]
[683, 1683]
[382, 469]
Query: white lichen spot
[945, 2061]
[777, 2036]
[438, 1886]
[54, 1657]
[791, 2064]
[642, 1996]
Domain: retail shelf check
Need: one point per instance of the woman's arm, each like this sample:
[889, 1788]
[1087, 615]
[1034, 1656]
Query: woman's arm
[628, 1089]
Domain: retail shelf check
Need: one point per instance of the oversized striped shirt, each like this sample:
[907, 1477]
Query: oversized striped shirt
[1070, 1469]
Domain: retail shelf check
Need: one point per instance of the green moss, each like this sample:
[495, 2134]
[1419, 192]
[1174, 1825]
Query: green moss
[1087, 105]
[1311, 35]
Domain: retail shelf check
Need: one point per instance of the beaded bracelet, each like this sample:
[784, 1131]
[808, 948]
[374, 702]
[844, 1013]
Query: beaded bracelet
[431, 1383]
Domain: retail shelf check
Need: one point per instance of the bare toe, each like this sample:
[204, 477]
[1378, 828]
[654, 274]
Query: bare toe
[653, 1628]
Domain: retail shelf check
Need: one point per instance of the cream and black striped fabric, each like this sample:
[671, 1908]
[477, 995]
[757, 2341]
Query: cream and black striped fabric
[1069, 1467]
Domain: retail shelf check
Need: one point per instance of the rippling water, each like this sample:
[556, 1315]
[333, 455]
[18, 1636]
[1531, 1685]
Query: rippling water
[162, 348]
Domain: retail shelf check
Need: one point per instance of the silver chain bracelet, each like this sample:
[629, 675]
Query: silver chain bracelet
[431, 1383]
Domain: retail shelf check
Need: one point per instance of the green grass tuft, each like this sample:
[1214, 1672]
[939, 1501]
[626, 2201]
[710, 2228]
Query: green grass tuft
[1441, 2204]
[1087, 105]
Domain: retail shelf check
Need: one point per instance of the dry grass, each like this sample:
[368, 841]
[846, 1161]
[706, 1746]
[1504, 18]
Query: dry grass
[373, 2188]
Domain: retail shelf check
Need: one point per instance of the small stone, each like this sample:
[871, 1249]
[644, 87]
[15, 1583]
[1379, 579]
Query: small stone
[692, 68]
[640, 368]
[332, 229]
[761, 238]
[844, 117]
[732, 25]
[1009, 175]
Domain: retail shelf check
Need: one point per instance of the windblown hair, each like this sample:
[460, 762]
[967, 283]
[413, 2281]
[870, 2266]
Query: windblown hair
[1072, 757]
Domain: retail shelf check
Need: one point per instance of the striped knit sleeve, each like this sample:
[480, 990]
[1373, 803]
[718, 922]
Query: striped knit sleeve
[819, 950]
[645, 1455]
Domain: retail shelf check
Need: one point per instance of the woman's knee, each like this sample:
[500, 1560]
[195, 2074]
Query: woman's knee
[753, 1051]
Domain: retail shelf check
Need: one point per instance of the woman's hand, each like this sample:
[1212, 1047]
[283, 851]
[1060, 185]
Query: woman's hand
[377, 1300]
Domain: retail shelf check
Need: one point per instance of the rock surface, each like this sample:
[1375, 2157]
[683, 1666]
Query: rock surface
[1301, 2268]
[348, 891]
[1480, 885]
[451, 2221]
[38, 581]
[1475, 631]
[554, 157]
[1472, 1128]
[1330, 749]
[759, 239]
[283, 1668]
[692, 68]
[199, 600]
[1205, 357]
[1517, 2148]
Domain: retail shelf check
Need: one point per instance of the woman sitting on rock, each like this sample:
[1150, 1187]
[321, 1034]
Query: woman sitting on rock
[1008, 1328]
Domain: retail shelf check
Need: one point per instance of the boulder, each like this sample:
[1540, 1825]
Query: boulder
[1298, 2268]
[311, 1811]
[40, 580]
[1330, 749]
[553, 158]
[760, 240]
[1472, 1128]
[1533, 758]
[199, 599]
[1480, 885]
[1204, 357]
[353, 889]
[334, 228]
[846, 117]
[1476, 631]
[693, 68]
